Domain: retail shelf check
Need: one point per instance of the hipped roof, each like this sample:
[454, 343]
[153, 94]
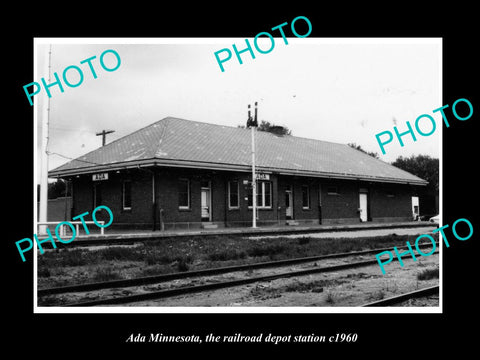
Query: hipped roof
[191, 144]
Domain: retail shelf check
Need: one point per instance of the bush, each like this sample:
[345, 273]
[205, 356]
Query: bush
[428, 274]
[304, 240]
[182, 266]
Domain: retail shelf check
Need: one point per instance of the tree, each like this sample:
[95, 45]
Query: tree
[423, 166]
[55, 190]
[426, 168]
[271, 128]
[358, 147]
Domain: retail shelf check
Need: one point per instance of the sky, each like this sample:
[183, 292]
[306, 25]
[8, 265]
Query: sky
[335, 89]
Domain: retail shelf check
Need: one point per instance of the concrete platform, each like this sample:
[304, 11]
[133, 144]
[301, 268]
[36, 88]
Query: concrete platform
[113, 236]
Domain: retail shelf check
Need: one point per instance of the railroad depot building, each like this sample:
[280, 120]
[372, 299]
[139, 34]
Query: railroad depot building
[179, 174]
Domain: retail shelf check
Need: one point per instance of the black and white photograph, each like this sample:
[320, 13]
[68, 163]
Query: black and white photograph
[243, 181]
[170, 144]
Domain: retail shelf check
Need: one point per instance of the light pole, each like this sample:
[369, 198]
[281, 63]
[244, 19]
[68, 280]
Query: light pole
[253, 127]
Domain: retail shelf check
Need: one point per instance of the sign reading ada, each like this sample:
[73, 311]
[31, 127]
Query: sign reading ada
[100, 176]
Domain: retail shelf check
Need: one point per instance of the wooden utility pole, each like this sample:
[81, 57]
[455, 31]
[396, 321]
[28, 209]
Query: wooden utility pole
[42, 216]
[104, 135]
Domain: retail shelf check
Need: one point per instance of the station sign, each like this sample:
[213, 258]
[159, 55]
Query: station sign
[261, 176]
[100, 176]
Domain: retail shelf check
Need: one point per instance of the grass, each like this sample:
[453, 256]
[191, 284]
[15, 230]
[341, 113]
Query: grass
[197, 252]
[107, 273]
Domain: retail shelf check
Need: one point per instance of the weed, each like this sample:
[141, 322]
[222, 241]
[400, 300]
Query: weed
[314, 286]
[106, 274]
[229, 254]
[155, 270]
[43, 272]
[155, 257]
[428, 274]
[73, 257]
[182, 265]
[119, 253]
[378, 295]
[303, 240]
[330, 298]
[267, 250]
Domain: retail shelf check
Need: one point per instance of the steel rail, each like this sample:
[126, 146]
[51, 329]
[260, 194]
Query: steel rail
[433, 290]
[219, 285]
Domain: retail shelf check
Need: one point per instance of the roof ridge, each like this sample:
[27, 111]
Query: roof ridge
[263, 132]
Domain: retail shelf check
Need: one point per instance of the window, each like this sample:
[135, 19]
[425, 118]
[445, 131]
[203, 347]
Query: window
[233, 195]
[305, 197]
[332, 190]
[127, 195]
[183, 194]
[264, 195]
[97, 195]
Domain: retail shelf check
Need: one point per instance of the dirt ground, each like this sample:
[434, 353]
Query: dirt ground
[357, 233]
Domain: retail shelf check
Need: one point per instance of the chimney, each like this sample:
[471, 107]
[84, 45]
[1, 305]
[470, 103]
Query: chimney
[255, 120]
[249, 115]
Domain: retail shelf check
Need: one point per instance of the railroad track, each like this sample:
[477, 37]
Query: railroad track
[207, 272]
[218, 285]
[433, 290]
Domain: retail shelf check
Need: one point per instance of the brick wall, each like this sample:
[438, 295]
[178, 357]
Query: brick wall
[386, 202]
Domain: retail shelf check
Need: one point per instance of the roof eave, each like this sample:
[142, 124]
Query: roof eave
[224, 167]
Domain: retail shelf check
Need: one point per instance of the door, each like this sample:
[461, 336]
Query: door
[289, 203]
[206, 203]
[363, 207]
[415, 208]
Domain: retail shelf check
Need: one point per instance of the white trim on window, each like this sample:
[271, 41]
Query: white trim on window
[183, 207]
[307, 207]
[230, 206]
[261, 185]
[123, 195]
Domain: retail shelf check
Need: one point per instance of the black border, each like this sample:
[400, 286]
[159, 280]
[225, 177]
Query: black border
[91, 334]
